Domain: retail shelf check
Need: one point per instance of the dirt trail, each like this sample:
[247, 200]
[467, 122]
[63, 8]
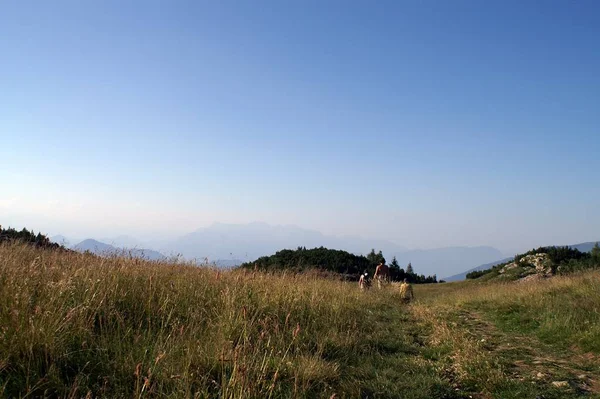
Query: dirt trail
[527, 358]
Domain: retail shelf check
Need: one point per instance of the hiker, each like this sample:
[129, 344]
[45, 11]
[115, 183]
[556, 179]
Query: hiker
[406, 292]
[362, 281]
[382, 274]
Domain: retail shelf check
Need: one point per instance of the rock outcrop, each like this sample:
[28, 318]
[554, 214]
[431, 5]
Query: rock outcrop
[529, 267]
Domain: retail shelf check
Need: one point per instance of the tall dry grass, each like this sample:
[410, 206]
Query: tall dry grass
[73, 325]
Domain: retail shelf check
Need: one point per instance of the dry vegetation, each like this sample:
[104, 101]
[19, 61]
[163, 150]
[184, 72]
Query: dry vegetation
[74, 325]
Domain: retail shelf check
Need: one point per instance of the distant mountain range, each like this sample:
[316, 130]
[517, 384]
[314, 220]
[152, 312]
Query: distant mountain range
[232, 244]
[253, 240]
[583, 247]
[228, 245]
[100, 248]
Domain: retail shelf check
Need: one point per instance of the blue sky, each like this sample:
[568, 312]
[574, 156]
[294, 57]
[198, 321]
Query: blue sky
[426, 123]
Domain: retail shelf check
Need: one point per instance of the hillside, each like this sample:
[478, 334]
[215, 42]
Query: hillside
[541, 263]
[341, 263]
[486, 266]
[583, 247]
[77, 325]
[330, 260]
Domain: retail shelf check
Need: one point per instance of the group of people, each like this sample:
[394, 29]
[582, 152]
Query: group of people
[382, 276]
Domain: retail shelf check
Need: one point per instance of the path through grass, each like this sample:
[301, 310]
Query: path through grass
[520, 339]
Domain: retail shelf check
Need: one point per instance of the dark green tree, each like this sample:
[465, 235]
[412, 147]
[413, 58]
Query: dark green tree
[396, 272]
[26, 236]
[375, 257]
[595, 252]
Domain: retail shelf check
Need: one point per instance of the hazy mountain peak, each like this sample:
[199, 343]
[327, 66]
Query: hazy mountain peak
[101, 248]
[94, 246]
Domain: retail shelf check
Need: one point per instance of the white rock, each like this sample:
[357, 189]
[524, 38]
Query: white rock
[560, 384]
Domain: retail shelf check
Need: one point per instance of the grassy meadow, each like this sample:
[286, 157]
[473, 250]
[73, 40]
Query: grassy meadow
[75, 325]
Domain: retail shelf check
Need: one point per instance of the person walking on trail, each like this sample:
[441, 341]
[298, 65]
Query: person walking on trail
[382, 274]
[362, 281]
[406, 292]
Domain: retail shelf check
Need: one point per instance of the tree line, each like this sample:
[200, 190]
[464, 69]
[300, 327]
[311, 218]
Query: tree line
[26, 236]
[336, 261]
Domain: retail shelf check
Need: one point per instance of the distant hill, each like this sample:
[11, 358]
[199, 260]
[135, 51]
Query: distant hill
[100, 248]
[463, 275]
[444, 261]
[332, 261]
[583, 247]
[540, 263]
[95, 247]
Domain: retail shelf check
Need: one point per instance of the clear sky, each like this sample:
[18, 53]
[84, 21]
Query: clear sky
[428, 123]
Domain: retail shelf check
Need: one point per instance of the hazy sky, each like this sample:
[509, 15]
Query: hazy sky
[428, 123]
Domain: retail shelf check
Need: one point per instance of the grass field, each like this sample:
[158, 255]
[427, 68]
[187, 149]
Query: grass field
[74, 325]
